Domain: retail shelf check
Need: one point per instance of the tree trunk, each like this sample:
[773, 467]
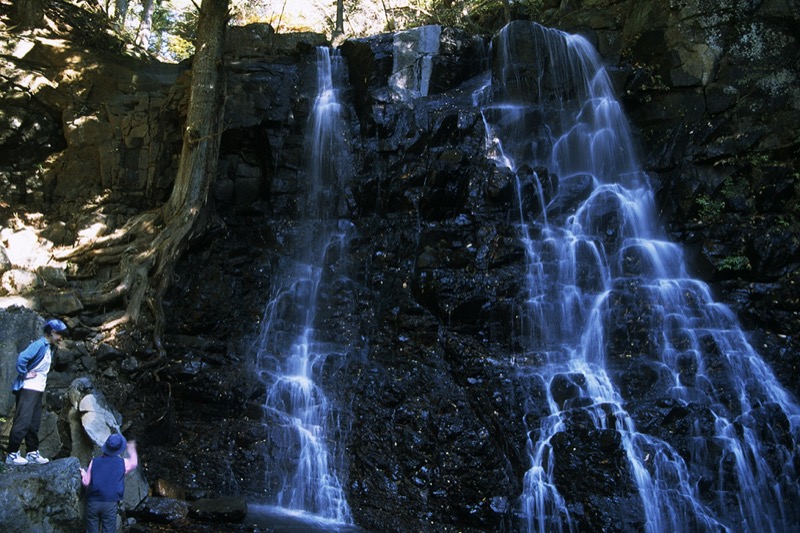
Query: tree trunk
[149, 246]
[146, 24]
[201, 137]
[339, 17]
[120, 12]
[185, 213]
[507, 10]
[27, 14]
[389, 17]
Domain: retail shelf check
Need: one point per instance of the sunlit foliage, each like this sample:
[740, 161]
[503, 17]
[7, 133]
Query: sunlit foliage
[173, 31]
[475, 15]
[173, 21]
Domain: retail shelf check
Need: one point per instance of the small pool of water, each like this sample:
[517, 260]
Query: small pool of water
[282, 520]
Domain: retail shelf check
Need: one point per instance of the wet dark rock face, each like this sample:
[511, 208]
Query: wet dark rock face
[433, 410]
[430, 407]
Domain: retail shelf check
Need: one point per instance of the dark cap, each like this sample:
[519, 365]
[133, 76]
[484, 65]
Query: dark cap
[115, 445]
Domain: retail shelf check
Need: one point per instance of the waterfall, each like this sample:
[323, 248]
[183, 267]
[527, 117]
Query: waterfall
[291, 350]
[605, 289]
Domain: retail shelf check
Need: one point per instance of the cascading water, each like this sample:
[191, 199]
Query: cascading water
[303, 424]
[594, 251]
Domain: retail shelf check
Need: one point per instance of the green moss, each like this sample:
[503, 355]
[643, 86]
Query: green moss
[735, 189]
[709, 208]
[734, 263]
[759, 159]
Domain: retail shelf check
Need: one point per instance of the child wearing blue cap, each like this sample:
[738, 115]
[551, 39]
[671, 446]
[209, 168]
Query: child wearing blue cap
[105, 483]
[33, 365]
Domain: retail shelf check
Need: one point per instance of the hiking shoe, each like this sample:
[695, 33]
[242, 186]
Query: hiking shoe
[16, 459]
[34, 457]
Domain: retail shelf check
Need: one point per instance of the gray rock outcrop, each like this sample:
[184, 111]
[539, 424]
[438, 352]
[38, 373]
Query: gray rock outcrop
[92, 419]
[41, 498]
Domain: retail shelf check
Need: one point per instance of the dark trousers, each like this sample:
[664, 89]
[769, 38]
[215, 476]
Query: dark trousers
[27, 417]
[101, 517]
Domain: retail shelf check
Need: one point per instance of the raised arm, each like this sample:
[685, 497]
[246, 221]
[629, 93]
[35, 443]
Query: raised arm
[132, 461]
[86, 475]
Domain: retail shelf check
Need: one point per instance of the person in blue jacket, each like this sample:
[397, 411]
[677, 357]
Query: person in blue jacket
[105, 483]
[33, 364]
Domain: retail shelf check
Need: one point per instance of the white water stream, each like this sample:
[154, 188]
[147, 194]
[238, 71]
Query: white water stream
[291, 355]
[607, 253]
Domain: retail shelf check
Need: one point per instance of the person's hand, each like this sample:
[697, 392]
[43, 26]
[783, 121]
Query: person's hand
[132, 444]
[30, 375]
[83, 472]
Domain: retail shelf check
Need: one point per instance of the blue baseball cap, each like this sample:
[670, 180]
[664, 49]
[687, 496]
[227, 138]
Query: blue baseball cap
[56, 325]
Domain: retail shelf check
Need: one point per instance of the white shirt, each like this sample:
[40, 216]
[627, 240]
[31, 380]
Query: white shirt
[39, 382]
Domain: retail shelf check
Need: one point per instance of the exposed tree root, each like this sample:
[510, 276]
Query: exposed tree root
[146, 250]
[146, 262]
